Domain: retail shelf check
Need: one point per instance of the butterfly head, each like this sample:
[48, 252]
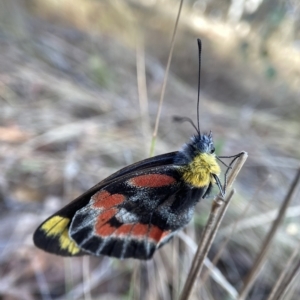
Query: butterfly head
[199, 144]
[203, 143]
[198, 161]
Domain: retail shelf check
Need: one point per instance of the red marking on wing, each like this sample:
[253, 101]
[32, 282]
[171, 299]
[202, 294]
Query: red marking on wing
[106, 215]
[152, 180]
[106, 200]
[101, 226]
[105, 230]
[124, 229]
[140, 230]
[155, 233]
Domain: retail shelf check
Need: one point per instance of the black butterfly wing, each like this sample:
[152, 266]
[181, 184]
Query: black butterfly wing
[136, 214]
[129, 214]
[52, 235]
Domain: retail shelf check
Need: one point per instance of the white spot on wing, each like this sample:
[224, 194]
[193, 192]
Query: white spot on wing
[126, 217]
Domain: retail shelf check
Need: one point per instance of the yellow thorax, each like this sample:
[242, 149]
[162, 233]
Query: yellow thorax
[198, 172]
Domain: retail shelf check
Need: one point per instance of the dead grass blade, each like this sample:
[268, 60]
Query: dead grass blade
[262, 256]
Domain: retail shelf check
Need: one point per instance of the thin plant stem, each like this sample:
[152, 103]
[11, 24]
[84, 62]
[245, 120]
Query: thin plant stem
[142, 87]
[261, 258]
[175, 260]
[236, 168]
[162, 277]
[216, 215]
[163, 90]
[234, 226]
[41, 281]
[216, 274]
[288, 282]
[69, 279]
[281, 281]
[134, 283]
[86, 278]
[208, 236]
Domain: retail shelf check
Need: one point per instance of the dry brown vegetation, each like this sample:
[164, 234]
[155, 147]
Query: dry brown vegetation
[71, 115]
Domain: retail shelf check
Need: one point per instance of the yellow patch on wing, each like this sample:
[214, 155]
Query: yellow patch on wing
[199, 172]
[57, 226]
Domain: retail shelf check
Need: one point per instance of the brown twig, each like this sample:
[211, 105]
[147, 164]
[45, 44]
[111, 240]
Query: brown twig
[233, 228]
[207, 238]
[237, 168]
[215, 218]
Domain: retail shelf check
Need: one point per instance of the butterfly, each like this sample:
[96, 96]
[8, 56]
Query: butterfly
[138, 209]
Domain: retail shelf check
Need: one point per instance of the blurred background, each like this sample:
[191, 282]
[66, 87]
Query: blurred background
[80, 83]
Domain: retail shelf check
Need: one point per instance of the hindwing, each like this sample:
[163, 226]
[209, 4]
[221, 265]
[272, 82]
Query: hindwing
[129, 214]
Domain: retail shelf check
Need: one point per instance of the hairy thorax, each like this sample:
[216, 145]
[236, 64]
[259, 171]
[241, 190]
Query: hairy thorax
[198, 172]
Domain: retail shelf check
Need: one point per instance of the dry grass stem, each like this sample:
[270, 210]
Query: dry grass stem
[228, 236]
[69, 277]
[262, 219]
[142, 88]
[162, 95]
[207, 238]
[288, 282]
[162, 277]
[236, 168]
[101, 274]
[86, 277]
[210, 231]
[175, 270]
[216, 275]
[261, 258]
[135, 281]
[281, 281]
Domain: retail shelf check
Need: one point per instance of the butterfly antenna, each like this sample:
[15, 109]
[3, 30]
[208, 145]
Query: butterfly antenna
[185, 119]
[199, 70]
